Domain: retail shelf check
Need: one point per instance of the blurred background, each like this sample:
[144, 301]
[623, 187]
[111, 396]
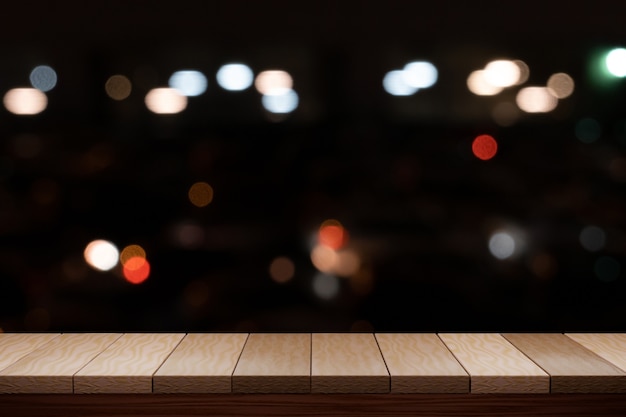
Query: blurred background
[312, 166]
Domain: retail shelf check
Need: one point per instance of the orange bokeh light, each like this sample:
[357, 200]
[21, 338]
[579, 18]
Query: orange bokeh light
[332, 234]
[484, 147]
[136, 270]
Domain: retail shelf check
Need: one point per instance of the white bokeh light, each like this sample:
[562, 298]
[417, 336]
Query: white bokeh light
[101, 255]
[235, 77]
[536, 100]
[502, 73]
[25, 101]
[165, 101]
[43, 78]
[420, 74]
[502, 245]
[395, 84]
[273, 82]
[478, 85]
[190, 83]
[281, 101]
[616, 62]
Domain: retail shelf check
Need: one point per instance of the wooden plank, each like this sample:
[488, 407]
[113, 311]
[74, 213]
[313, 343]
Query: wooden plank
[347, 363]
[127, 365]
[274, 363]
[572, 368]
[421, 363]
[14, 346]
[49, 369]
[201, 363]
[610, 346]
[495, 365]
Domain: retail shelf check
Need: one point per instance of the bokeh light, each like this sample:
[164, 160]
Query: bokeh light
[592, 238]
[325, 286]
[136, 270]
[101, 255]
[524, 71]
[502, 73]
[280, 101]
[478, 85]
[347, 264]
[43, 78]
[200, 194]
[234, 77]
[165, 101]
[273, 82]
[282, 269]
[607, 268]
[395, 84]
[420, 74]
[131, 251]
[324, 258]
[560, 85]
[332, 234]
[484, 147]
[189, 83]
[118, 87]
[588, 130]
[536, 100]
[616, 62]
[25, 101]
[502, 245]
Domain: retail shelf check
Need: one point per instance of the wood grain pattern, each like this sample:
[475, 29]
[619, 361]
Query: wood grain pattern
[495, 365]
[50, 368]
[610, 346]
[14, 346]
[201, 363]
[274, 363]
[572, 368]
[334, 405]
[421, 363]
[127, 365]
[347, 363]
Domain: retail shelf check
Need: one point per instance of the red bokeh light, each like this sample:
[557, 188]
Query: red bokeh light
[136, 270]
[484, 147]
[333, 235]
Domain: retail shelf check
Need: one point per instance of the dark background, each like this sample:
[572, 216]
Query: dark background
[398, 172]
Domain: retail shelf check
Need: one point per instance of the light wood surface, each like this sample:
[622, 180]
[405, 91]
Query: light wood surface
[13, 346]
[50, 368]
[610, 346]
[201, 363]
[495, 365]
[347, 363]
[274, 363]
[421, 363]
[572, 368]
[127, 365]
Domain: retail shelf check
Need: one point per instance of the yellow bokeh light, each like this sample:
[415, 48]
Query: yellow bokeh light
[273, 82]
[132, 251]
[536, 100]
[282, 269]
[200, 194]
[118, 87]
[478, 85]
[25, 101]
[165, 101]
[560, 85]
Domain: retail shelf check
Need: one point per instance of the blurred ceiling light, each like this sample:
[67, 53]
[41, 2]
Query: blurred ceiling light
[165, 101]
[484, 147]
[43, 78]
[325, 286]
[502, 245]
[616, 62]
[536, 100]
[395, 84]
[502, 73]
[280, 101]
[478, 85]
[101, 255]
[273, 82]
[420, 74]
[190, 83]
[25, 101]
[235, 77]
[560, 85]
[118, 87]
[524, 71]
